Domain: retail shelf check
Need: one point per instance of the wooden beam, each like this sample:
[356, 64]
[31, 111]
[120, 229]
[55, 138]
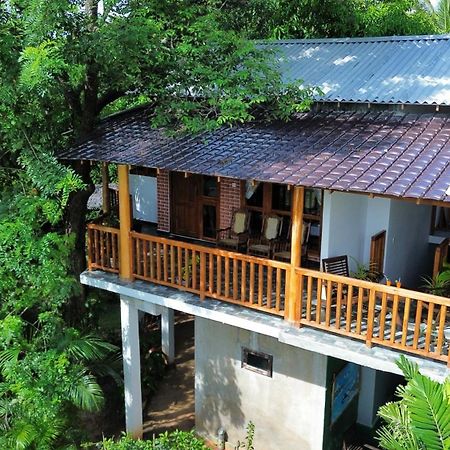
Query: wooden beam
[105, 188]
[293, 303]
[125, 223]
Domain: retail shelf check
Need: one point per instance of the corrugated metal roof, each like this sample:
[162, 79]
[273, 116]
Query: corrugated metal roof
[385, 153]
[406, 69]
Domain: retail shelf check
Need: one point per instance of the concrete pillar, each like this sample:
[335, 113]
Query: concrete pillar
[131, 367]
[168, 334]
[366, 413]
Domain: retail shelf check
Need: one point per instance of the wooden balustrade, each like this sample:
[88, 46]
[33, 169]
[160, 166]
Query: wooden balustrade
[103, 248]
[393, 317]
[232, 277]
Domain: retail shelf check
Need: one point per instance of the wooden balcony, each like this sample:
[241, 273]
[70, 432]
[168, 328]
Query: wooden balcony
[377, 314]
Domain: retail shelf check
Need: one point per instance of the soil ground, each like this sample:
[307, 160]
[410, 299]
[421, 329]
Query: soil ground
[172, 406]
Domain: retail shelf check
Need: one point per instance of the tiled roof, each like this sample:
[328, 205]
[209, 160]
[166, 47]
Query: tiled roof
[398, 69]
[402, 155]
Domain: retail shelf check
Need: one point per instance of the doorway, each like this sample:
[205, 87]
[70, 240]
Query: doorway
[195, 205]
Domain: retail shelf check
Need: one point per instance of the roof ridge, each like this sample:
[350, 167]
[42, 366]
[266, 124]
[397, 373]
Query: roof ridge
[349, 40]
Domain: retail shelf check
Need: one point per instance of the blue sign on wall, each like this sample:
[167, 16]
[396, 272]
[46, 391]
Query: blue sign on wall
[345, 389]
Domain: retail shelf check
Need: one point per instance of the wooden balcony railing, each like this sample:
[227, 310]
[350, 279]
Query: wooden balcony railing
[397, 318]
[232, 277]
[393, 317]
[103, 248]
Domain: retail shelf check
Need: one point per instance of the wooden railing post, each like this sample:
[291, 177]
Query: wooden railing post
[202, 275]
[105, 189]
[125, 270]
[370, 318]
[89, 246]
[292, 309]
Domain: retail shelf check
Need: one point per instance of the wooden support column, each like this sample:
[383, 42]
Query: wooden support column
[125, 223]
[294, 295]
[105, 188]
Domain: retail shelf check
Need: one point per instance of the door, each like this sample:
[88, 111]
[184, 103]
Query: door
[185, 204]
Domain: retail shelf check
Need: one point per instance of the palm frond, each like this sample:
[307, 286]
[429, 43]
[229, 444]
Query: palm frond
[88, 348]
[429, 411]
[23, 435]
[85, 393]
[409, 369]
[397, 433]
[8, 355]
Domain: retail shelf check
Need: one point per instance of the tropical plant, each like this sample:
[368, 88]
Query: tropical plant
[438, 284]
[176, 440]
[421, 418]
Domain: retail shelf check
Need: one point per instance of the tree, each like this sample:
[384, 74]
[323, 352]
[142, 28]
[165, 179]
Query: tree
[282, 19]
[47, 368]
[421, 418]
[68, 63]
[440, 13]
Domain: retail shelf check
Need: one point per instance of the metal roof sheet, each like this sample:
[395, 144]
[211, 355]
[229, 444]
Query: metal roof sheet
[384, 153]
[389, 70]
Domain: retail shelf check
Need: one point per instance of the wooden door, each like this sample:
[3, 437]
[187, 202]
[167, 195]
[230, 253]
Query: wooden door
[185, 204]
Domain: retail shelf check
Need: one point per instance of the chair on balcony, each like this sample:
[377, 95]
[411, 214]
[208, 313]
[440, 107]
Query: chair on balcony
[236, 235]
[264, 245]
[283, 248]
[338, 265]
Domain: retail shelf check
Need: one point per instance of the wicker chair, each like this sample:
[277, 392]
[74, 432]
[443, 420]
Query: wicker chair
[265, 244]
[236, 235]
[283, 249]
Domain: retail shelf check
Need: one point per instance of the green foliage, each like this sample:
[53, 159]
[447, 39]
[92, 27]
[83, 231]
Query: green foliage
[249, 438]
[421, 418]
[282, 19]
[438, 285]
[440, 13]
[176, 440]
[46, 367]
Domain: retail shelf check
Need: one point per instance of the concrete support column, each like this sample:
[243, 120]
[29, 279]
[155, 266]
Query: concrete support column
[131, 366]
[168, 334]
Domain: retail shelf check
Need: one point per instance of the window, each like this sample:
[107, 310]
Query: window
[268, 198]
[257, 362]
[210, 186]
[281, 197]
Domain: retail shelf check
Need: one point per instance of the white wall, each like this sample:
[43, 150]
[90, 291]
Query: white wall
[143, 191]
[344, 226]
[407, 248]
[287, 409]
[350, 220]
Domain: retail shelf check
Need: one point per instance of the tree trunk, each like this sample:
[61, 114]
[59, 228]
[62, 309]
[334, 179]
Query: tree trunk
[76, 224]
[77, 207]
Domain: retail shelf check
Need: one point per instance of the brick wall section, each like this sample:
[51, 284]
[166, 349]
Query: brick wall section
[163, 193]
[230, 200]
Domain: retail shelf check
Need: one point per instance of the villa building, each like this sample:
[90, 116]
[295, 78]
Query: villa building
[335, 217]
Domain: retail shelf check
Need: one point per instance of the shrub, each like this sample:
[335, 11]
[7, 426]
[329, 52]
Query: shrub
[176, 440]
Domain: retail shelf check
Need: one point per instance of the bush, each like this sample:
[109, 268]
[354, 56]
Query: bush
[176, 440]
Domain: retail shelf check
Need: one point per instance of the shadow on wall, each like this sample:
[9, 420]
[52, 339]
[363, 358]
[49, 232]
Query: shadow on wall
[222, 398]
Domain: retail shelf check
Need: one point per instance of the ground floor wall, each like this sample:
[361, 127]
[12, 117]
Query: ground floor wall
[287, 408]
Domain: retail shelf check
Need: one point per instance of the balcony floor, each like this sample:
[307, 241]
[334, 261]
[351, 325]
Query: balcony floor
[322, 342]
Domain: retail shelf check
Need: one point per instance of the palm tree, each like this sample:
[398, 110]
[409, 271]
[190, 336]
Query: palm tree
[421, 418]
[441, 13]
